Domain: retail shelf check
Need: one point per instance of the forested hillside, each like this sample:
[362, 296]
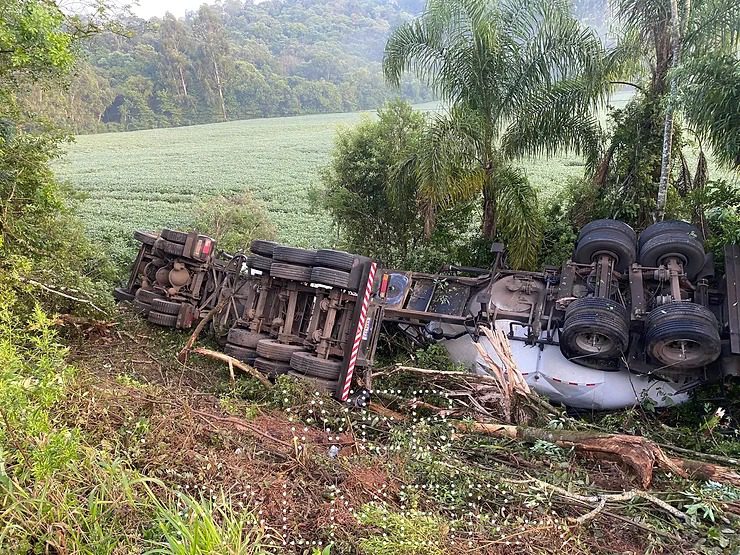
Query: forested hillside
[232, 61]
[239, 60]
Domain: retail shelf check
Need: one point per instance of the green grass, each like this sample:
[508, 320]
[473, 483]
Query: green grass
[154, 178]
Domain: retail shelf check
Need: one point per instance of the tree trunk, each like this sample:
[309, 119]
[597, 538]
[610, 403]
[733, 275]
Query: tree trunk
[665, 164]
[220, 89]
[490, 216]
[182, 80]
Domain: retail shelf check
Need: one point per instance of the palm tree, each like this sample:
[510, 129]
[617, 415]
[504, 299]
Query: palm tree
[519, 78]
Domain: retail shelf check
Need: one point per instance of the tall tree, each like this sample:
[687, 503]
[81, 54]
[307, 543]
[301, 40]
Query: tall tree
[519, 78]
[213, 49]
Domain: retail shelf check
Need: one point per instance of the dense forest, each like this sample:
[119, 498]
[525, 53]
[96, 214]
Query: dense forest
[239, 60]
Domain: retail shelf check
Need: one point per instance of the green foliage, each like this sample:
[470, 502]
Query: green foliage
[231, 61]
[233, 221]
[520, 79]
[410, 533]
[373, 197]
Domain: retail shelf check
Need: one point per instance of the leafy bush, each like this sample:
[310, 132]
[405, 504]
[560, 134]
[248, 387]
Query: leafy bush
[233, 221]
[411, 533]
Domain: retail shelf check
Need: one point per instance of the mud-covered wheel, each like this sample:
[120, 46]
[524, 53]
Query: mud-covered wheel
[673, 239]
[240, 353]
[272, 368]
[166, 320]
[245, 338]
[330, 277]
[168, 247]
[166, 307]
[311, 365]
[273, 350]
[174, 236]
[262, 248]
[682, 335]
[145, 237]
[290, 272]
[259, 262]
[337, 260]
[293, 255]
[594, 327]
[611, 237]
[325, 386]
[121, 294]
[146, 295]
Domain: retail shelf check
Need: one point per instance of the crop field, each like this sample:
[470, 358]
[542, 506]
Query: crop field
[156, 178]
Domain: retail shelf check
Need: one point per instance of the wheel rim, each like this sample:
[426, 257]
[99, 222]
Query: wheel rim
[680, 352]
[594, 343]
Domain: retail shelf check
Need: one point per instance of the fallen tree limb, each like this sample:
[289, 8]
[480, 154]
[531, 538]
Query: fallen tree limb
[182, 356]
[729, 461]
[235, 363]
[708, 471]
[61, 294]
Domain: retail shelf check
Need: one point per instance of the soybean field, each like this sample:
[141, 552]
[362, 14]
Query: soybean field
[156, 178]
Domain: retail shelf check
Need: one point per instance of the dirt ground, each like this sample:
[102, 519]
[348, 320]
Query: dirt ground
[189, 426]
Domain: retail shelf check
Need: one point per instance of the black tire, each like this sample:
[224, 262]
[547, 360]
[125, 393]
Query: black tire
[328, 276]
[168, 247]
[271, 349]
[259, 262]
[146, 295]
[272, 368]
[668, 226]
[166, 307]
[311, 365]
[166, 320]
[141, 308]
[594, 327]
[682, 335]
[337, 260]
[293, 255]
[175, 236]
[262, 248]
[684, 246]
[121, 294]
[607, 238]
[240, 353]
[245, 338]
[325, 386]
[145, 237]
[290, 272]
[608, 224]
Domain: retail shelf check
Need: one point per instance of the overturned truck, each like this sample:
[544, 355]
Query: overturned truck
[627, 319]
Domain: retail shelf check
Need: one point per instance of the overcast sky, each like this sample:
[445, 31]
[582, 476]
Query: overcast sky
[150, 8]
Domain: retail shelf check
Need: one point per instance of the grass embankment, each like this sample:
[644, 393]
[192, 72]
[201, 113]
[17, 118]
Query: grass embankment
[129, 451]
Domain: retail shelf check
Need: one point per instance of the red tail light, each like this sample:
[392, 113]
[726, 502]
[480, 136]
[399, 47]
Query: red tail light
[207, 246]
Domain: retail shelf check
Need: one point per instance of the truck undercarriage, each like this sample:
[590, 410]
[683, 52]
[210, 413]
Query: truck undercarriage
[627, 319]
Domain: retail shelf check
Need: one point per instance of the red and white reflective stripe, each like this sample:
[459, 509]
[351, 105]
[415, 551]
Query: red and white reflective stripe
[358, 332]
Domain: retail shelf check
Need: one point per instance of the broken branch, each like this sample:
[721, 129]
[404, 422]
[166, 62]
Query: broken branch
[236, 363]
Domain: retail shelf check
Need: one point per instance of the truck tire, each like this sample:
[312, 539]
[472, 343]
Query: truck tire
[682, 335]
[168, 247]
[166, 307]
[330, 277]
[245, 338]
[174, 236]
[290, 272]
[293, 255]
[272, 368]
[146, 295]
[262, 248]
[311, 365]
[259, 262]
[325, 386]
[121, 294]
[337, 260]
[605, 237]
[273, 350]
[684, 246]
[616, 225]
[594, 327]
[668, 226]
[145, 237]
[166, 320]
[240, 353]
[142, 309]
